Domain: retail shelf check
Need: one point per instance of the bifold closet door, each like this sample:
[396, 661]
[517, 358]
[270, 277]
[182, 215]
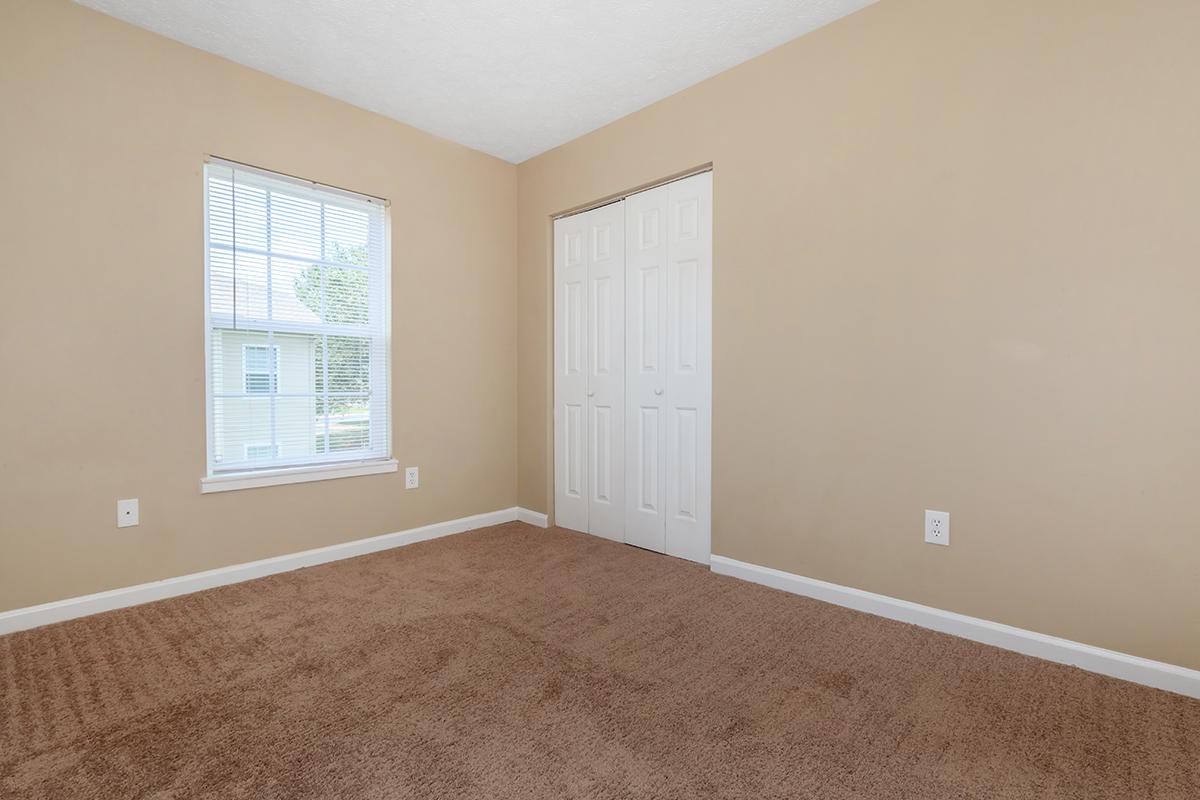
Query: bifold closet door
[668, 349]
[589, 367]
[645, 368]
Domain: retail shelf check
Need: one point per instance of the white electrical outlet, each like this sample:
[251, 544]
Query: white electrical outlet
[937, 527]
[127, 513]
[412, 478]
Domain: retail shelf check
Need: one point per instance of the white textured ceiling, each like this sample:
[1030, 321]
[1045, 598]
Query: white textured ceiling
[513, 78]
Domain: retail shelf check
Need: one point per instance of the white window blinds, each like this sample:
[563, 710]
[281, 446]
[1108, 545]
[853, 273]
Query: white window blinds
[297, 312]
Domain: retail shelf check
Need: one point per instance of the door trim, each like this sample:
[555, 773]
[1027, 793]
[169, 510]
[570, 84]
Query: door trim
[616, 198]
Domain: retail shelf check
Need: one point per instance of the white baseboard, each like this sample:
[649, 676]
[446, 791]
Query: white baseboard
[60, 610]
[533, 518]
[1064, 651]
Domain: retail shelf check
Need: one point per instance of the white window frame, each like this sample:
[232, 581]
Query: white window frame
[224, 481]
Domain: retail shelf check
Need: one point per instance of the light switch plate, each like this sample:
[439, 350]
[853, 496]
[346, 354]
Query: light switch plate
[127, 513]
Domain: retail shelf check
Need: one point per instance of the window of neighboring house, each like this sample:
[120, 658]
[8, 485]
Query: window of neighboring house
[260, 368]
[297, 308]
[267, 450]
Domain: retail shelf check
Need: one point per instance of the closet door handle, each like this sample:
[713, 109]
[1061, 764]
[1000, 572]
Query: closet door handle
[658, 391]
[591, 394]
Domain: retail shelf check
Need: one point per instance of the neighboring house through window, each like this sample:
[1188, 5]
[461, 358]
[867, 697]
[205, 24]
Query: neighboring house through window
[297, 309]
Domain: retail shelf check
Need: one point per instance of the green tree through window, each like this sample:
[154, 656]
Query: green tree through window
[339, 296]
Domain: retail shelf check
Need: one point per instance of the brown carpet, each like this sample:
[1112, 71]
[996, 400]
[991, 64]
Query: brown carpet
[519, 663]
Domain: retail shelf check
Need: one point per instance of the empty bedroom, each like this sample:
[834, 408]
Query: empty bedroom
[600, 399]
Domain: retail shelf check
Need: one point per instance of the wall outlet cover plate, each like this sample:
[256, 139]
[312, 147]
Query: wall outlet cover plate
[937, 527]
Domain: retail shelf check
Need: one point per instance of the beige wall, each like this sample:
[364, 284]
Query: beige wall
[957, 266]
[103, 132]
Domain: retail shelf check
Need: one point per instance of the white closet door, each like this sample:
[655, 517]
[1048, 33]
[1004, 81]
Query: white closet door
[633, 369]
[645, 372]
[606, 371]
[688, 364]
[570, 373]
[589, 366]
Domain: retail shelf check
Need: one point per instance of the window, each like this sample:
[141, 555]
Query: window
[297, 308]
[267, 450]
[260, 368]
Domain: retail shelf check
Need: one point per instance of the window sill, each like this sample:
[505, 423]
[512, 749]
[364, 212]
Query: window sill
[275, 477]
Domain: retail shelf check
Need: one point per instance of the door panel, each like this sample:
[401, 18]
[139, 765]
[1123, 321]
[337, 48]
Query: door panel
[606, 371]
[687, 469]
[645, 378]
[647, 461]
[570, 374]
[589, 369]
[576, 452]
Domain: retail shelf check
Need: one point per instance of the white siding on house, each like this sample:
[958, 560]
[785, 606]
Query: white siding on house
[244, 417]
